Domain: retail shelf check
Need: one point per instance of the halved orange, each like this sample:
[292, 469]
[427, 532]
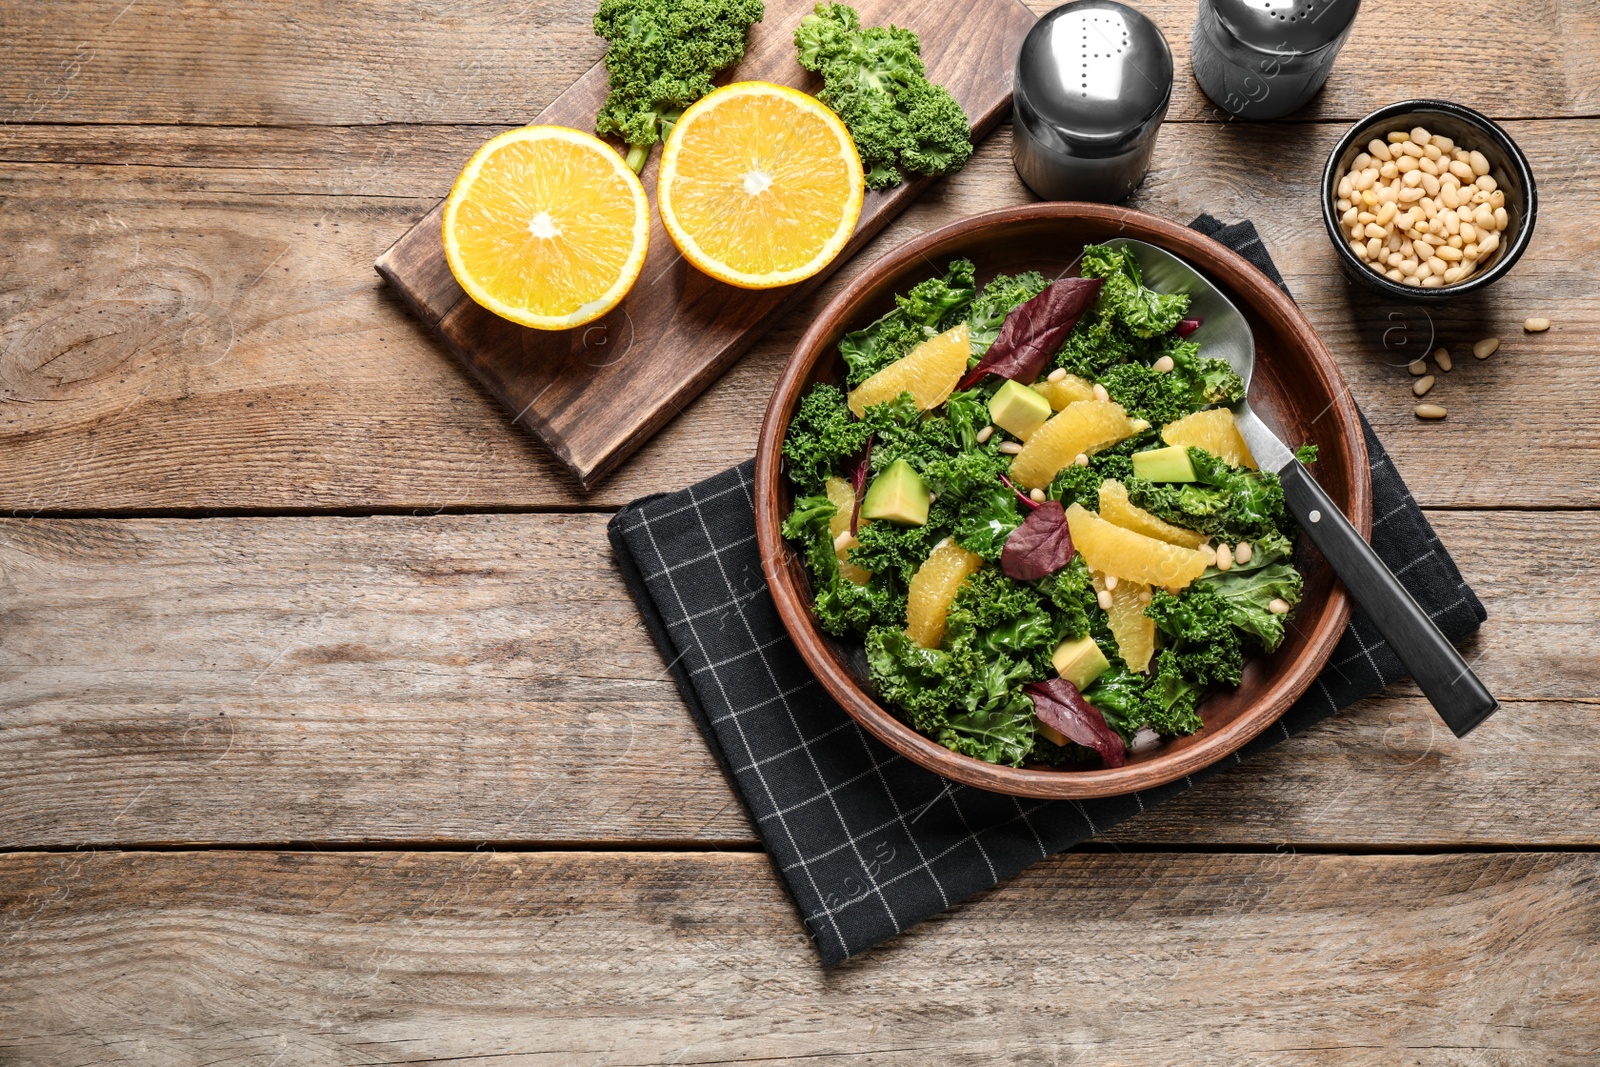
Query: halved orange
[760, 185]
[547, 227]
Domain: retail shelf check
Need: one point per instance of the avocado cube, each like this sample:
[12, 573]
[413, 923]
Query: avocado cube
[1018, 410]
[1080, 662]
[898, 495]
[1170, 464]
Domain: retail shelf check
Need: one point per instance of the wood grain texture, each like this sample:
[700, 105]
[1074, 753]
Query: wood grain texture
[594, 395]
[697, 958]
[257, 362]
[497, 62]
[486, 678]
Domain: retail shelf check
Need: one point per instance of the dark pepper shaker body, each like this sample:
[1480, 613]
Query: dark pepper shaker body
[1262, 59]
[1093, 81]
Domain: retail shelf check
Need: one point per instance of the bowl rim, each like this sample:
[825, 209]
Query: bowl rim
[1224, 265]
[1490, 129]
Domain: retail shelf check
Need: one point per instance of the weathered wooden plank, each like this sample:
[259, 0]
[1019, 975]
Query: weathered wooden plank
[501, 62]
[209, 333]
[485, 678]
[629, 958]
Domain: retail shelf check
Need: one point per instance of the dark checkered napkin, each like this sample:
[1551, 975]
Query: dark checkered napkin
[867, 842]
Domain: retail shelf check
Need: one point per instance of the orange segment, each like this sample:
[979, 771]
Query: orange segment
[933, 587]
[1068, 390]
[547, 227]
[1081, 428]
[1213, 430]
[1115, 507]
[1110, 549]
[1134, 630]
[843, 498]
[928, 372]
[760, 185]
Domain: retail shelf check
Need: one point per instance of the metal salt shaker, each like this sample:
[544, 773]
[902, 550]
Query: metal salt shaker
[1093, 81]
[1262, 59]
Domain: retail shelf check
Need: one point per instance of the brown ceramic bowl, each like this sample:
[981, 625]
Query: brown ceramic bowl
[1297, 388]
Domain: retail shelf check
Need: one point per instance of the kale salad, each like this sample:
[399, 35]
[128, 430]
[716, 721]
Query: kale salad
[1029, 501]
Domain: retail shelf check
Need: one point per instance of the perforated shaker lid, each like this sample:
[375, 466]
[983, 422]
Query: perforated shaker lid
[1286, 26]
[1093, 75]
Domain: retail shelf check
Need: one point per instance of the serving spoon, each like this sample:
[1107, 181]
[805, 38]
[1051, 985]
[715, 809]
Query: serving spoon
[1444, 677]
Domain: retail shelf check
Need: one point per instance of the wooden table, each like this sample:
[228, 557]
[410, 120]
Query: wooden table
[331, 737]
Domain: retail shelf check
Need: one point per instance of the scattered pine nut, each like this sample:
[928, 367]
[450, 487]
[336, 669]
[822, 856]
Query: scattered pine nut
[1278, 606]
[1422, 385]
[1536, 325]
[1010, 448]
[1100, 392]
[1080, 460]
[1036, 495]
[1144, 596]
[985, 433]
[1429, 411]
[1163, 365]
[1111, 581]
[1242, 552]
[1224, 557]
[1441, 356]
[1486, 347]
[1418, 367]
[1057, 374]
[1103, 598]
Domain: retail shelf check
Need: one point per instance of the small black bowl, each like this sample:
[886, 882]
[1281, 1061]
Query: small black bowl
[1468, 129]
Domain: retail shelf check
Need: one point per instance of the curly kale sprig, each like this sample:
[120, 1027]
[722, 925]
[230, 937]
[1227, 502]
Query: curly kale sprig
[875, 79]
[662, 58]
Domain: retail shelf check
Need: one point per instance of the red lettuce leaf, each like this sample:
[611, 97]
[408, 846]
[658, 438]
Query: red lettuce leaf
[1034, 331]
[1024, 497]
[1041, 545]
[858, 482]
[1188, 326]
[1059, 705]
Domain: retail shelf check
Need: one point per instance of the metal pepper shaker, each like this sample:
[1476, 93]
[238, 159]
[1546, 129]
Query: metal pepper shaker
[1262, 59]
[1093, 81]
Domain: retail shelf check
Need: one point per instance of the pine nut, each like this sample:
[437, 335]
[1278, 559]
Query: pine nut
[1080, 460]
[1432, 151]
[842, 542]
[1242, 552]
[1393, 274]
[1057, 374]
[1278, 606]
[1111, 582]
[1010, 448]
[1420, 135]
[1100, 393]
[1379, 149]
[1224, 557]
[1539, 325]
[1417, 367]
[1428, 167]
[1144, 596]
[1399, 137]
[985, 433]
[1163, 365]
[1443, 143]
[1486, 347]
[1501, 219]
[1441, 356]
[1036, 495]
[1412, 149]
[1422, 385]
[1433, 281]
[1488, 244]
[1103, 598]
[1461, 170]
[1479, 161]
[1429, 411]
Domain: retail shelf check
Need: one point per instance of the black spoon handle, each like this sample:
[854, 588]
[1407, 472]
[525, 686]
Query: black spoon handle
[1444, 677]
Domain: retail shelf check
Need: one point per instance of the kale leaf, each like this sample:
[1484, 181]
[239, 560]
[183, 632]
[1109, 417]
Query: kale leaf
[875, 79]
[822, 435]
[662, 57]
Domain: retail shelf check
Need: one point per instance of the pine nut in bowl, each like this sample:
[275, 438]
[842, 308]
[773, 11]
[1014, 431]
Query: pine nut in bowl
[1427, 200]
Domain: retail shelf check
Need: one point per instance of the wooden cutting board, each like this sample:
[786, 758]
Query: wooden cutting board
[596, 393]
